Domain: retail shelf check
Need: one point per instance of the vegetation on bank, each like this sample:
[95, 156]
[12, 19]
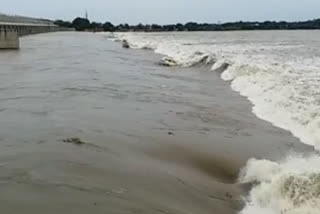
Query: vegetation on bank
[82, 24]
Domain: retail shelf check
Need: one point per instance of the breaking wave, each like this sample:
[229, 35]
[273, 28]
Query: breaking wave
[282, 86]
[281, 78]
[198, 59]
[291, 186]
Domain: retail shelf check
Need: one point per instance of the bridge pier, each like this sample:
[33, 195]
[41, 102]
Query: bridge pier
[9, 38]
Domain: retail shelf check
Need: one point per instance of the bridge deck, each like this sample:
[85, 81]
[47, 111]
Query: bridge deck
[27, 24]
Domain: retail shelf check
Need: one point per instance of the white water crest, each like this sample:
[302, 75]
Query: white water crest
[278, 71]
[291, 186]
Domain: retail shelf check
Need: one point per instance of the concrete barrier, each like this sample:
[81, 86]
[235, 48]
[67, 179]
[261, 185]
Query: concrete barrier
[9, 39]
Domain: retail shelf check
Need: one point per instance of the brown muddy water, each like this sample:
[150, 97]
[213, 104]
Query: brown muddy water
[89, 127]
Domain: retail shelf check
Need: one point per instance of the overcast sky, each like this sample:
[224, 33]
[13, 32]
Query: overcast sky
[166, 11]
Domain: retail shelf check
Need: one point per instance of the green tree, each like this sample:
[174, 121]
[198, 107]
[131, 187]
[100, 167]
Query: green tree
[62, 23]
[108, 26]
[81, 24]
[179, 27]
[95, 25]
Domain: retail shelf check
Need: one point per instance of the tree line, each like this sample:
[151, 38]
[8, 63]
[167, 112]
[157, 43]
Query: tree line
[82, 24]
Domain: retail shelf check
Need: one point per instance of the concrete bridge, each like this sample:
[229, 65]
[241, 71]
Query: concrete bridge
[12, 27]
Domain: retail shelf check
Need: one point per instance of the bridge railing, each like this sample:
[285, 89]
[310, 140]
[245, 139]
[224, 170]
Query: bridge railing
[22, 19]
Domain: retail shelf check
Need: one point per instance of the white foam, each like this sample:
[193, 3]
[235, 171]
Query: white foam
[280, 77]
[281, 95]
[279, 73]
[291, 186]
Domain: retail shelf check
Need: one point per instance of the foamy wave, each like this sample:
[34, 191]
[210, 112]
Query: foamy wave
[175, 54]
[291, 186]
[282, 85]
[281, 95]
[168, 61]
[197, 59]
[281, 78]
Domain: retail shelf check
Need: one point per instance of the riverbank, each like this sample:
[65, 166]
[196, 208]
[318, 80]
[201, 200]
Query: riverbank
[154, 139]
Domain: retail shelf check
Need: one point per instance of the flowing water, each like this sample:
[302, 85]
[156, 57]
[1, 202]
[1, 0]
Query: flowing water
[160, 133]
[278, 71]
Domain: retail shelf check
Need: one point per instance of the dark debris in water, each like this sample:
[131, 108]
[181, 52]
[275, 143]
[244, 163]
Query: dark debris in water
[125, 44]
[170, 133]
[76, 141]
